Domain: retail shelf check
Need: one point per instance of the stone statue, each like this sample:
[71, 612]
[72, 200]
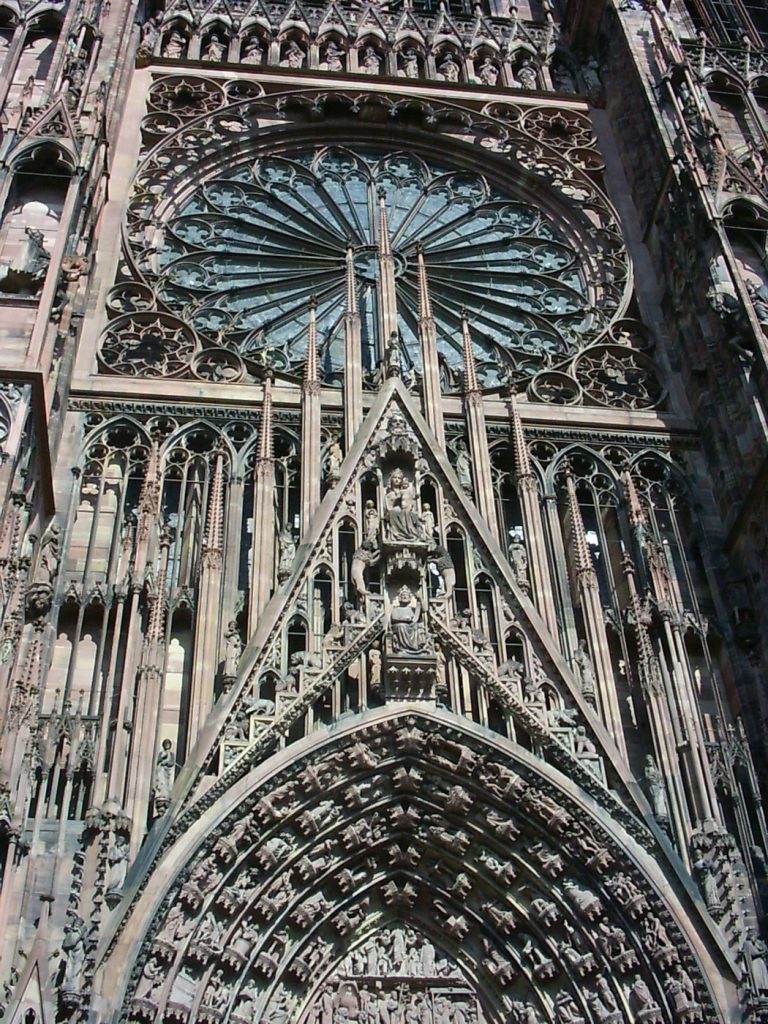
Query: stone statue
[293, 56]
[407, 632]
[374, 669]
[488, 73]
[117, 858]
[393, 366]
[446, 570]
[73, 948]
[409, 64]
[367, 554]
[334, 57]
[428, 520]
[518, 559]
[449, 69]
[584, 672]
[27, 272]
[50, 553]
[175, 45]
[759, 297]
[233, 648]
[463, 467]
[371, 61]
[657, 791]
[150, 33]
[754, 951]
[165, 772]
[708, 885]
[252, 52]
[215, 50]
[335, 459]
[400, 503]
[286, 553]
[640, 996]
[371, 521]
[527, 75]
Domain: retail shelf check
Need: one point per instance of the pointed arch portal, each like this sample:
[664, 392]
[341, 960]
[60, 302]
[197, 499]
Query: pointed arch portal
[410, 866]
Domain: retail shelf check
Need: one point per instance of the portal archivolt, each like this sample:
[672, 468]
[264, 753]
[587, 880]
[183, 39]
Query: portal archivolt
[412, 868]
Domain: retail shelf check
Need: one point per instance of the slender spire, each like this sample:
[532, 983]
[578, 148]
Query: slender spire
[150, 489]
[156, 624]
[584, 564]
[470, 369]
[635, 510]
[214, 532]
[522, 460]
[311, 366]
[266, 446]
[351, 297]
[425, 301]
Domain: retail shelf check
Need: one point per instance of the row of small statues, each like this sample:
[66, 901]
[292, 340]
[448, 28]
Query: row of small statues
[410, 63]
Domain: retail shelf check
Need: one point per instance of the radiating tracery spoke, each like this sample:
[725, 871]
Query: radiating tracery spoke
[247, 251]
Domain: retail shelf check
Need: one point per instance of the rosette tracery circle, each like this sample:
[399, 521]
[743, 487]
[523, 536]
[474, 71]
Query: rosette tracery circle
[247, 248]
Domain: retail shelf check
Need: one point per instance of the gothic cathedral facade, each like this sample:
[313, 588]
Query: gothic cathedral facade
[383, 511]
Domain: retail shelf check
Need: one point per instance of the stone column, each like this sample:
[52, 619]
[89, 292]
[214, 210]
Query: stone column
[208, 612]
[147, 704]
[310, 426]
[477, 434]
[594, 621]
[387, 295]
[353, 369]
[263, 539]
[528, 493]
[433, 407]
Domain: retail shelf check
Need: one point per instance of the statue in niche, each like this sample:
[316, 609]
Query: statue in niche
[371, 61]
[657, 790]
[407, 632]
[335, 459]
[371, 521]
[449, 69]
[286, 553]
[334, 57]
[518, 559]
[233, 648]
[367, 554]
[409, 64]
[175, 45]
[215, 50]
[401, 512]
[165, 771]
[759, 297]
[463, 467]
[252, 51]
[527, 75]
[428, 520]
[150, 33]
[584, 672]
[293, 56]
[27, 272]
[488, 73]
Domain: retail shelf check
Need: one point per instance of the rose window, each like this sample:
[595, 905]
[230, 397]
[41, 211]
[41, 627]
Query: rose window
[246, 251]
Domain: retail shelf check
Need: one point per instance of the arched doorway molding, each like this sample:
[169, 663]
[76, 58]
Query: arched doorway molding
[428, 818]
